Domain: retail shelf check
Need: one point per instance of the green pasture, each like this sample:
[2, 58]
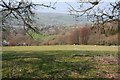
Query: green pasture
[61, 61]
[61, 47]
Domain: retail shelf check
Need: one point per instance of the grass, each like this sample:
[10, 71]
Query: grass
[59, 62]
[61, 47]
[41, 36]
[46, 36]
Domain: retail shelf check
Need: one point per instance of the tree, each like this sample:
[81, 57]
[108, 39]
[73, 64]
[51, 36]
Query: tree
[6, 35]
[30, 41]
[13, 42]
[60, 39]
[96, 12]
[84, 35]
[21, 10]
[74, 37]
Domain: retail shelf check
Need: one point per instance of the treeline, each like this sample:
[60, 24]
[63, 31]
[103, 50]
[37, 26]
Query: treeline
[85, 36]
[108, 35]
[79, 36]
[17, 37]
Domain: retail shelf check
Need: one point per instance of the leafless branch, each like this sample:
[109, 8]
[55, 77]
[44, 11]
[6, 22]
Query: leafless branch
[21, 10]
[102, 15]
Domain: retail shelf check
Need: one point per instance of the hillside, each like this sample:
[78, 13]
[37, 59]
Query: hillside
[59, 19]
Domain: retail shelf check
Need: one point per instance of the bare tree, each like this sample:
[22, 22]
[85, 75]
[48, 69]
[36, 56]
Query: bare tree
[96, 12]
[74, 38]
[21, 10]
[84, 35]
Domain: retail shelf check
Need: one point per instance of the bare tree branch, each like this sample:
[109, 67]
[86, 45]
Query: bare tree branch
[101, 15]
[21, 10]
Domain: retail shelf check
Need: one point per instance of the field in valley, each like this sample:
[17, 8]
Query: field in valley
[61, 61]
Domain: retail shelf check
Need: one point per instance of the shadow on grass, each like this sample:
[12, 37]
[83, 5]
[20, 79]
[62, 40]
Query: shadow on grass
[50, 64]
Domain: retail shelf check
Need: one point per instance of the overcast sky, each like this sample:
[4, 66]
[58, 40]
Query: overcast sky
[62, 7]
[69, 0]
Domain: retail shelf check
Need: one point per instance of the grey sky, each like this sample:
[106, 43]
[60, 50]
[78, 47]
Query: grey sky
[68, 0]
[62, 7]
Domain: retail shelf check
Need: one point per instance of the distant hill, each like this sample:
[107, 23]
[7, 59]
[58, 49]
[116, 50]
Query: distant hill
[56, 19]
[59, 19]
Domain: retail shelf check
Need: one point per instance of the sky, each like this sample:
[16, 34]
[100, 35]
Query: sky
[62, 7]
[67, 0]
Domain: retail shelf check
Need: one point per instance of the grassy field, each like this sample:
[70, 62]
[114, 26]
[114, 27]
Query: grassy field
[70, 61]
[61, 47]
